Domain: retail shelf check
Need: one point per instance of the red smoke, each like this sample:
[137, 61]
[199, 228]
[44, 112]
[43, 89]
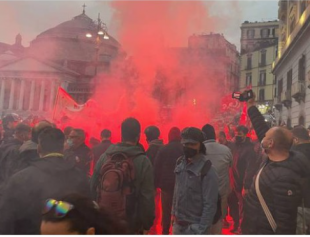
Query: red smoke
[159, 83]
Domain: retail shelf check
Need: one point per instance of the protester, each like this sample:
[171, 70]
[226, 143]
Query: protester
[223, 140]
[49, 177]
[138, 197]
[77, 215]
[93, 142]
[67, 131]
[78, 152]
[244, 168]
[10, 153]
[98, 150]
[152, 134]
[28, 152]
[279, 181]
[164, 166]
[9, 123]
[221, 159]
[302, 144]
[196, 188]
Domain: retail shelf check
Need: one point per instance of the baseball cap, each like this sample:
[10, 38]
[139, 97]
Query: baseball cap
[192, 135]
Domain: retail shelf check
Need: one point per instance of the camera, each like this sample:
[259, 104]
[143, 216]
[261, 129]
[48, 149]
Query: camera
[244, 96]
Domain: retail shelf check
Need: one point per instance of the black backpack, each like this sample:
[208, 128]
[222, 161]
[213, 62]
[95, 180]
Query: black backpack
[218, 214]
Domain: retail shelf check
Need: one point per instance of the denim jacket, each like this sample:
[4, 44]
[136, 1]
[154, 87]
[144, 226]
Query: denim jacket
[195, 198]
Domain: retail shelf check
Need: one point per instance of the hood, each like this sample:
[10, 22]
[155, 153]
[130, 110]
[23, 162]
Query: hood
[53, 165]
[129, 150]
[28, 145]
[156, 142]
[297, 162]
[13, 142]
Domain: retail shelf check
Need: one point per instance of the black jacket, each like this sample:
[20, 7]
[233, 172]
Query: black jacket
[305, 149]
[9, 157]
[28, 153]
[8, 135]
[244, 165]
[100, 149]
[81, 157]
[165, 163]
[154, 147]
[27, 191]
[280, 185]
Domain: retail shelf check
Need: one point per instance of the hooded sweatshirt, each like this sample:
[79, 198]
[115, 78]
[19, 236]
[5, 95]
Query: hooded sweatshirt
[144, 183]
[27, 191]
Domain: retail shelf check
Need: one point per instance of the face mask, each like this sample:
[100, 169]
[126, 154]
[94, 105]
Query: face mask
[70, 142]
[239, 139]
[189, 152]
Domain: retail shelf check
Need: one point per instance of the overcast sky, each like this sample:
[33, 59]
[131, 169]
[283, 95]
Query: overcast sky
[29, 18]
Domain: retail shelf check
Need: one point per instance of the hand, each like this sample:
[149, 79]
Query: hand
[245, 192]
[251, 102]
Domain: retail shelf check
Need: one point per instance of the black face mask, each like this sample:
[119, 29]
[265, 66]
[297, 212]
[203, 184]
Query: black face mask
[239, 139]
[189, 152]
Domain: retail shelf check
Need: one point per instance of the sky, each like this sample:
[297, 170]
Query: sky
[30, 18]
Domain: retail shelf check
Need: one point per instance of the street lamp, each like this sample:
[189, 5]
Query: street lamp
[100, 31]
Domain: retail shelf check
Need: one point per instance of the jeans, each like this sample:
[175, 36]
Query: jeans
[166, 200]
[301, 218]
[192, 229]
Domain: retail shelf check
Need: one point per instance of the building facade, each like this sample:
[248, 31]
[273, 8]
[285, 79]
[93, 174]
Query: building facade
[258, 51]
[292, 66]
[60, 56]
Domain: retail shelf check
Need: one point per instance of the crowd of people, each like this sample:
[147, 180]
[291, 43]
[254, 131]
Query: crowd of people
[52, 182]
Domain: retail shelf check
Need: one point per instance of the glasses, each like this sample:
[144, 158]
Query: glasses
[61, 208]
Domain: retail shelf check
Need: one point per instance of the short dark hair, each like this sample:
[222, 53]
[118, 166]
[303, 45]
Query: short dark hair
[67, 130]
[84, 215]
[130, 130]
[209, 132]
[79, 132]
[242, 129]
[38, 128]
[51, 140]
[301, 133]
[22, 128]
[152, 133]
[222, 134]
[106, 133]
[174, 134]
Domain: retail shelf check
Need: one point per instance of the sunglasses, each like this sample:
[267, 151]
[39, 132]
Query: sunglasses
[61, 208]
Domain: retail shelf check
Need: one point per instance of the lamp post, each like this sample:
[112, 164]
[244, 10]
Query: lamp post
[101, 33]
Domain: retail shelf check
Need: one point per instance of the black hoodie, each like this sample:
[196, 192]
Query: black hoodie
[27, 191]
[8, 160]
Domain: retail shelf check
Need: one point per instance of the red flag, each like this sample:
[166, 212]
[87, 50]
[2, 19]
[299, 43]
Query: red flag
[244, 116]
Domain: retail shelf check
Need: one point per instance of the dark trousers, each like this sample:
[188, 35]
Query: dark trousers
[233, 204]
[166, 202]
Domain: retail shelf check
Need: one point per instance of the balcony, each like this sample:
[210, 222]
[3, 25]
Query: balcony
[299, 91]
[286, 98]
[277, 103]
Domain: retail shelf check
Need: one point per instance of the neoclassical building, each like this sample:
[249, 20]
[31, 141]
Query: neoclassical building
[60, 56]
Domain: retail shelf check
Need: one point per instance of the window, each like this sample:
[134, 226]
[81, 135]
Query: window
[248, 79]
[302, 69]
[274, 32]
[249, 62]
[289, 123]
[280, 87]
[250, 34]
[261, 96]
[289, 80]
[263, 58]
[264, 33]
[262, 78]
[303, 5]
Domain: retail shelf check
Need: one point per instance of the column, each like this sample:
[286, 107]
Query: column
[21, 95]
[52, 98]
[31, 95]
[41, 103]
[2, 93]
[11, 103]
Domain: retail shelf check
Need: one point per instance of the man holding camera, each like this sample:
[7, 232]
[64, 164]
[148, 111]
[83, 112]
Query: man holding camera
[272, 202]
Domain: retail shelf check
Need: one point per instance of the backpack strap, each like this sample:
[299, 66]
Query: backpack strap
[205, 169]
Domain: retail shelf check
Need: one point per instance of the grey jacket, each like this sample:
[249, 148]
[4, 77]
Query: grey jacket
[195, 198]
[221, 159]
